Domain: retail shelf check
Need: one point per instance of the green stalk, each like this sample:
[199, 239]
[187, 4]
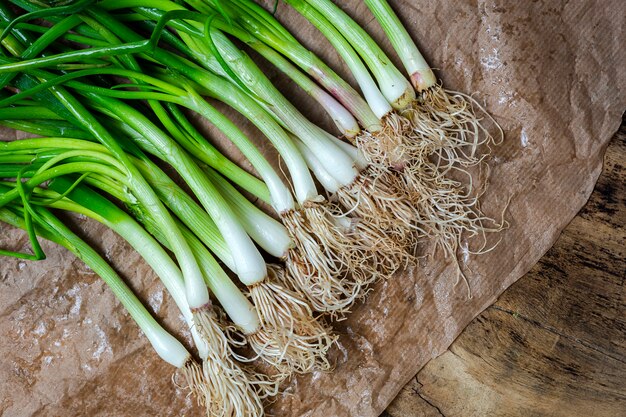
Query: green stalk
[375, 98]
[196, 290]
[94, 206]
[281, 195]
[234, 97]
[173, 196]
[195, 143]
[304, 185]
[48, 128]
[250, 265]
[65, 169]
[71, 37]
[422, 77]
[315, 138]
[168, 348]
[398, 91]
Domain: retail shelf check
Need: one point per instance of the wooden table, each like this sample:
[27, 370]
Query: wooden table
[554, 344]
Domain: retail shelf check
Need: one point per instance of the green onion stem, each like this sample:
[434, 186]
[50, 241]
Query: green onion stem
[343, 119]
[91, 204]
[194, 142]
[65, 169]
[197, 292]
[28, 112]
[375, 98]
[51, 228]
[188, 211]
[422, 77]
[72, 37]
[393, 84]
[48, 128]
[52, 34]
[260, 23]
[282, 199]
[250, 266]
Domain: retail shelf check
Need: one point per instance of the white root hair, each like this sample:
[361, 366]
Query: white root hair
[290, 337]
[320, 264]
[220, 396]
[263, 377]
[377, 198]
[388, 148]
[448, 124]
[387, 256]
[453, 139]
[233, 391]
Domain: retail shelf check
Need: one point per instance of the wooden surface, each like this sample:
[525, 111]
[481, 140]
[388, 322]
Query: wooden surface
[554, 344]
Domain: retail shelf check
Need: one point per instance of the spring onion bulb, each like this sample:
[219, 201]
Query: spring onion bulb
[289, 348]
[267, 232]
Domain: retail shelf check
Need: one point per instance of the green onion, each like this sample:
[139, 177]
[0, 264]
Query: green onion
[329, 238]
[454, 112]
[164, 344]
[391, 82]
[196, 290]
[326, 241]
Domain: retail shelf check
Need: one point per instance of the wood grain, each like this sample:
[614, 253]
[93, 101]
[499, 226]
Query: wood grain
[554, 344]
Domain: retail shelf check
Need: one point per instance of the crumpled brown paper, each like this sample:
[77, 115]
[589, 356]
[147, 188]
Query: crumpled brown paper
[551, 72]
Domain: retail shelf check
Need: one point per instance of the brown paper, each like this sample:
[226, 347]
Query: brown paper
[551, 72]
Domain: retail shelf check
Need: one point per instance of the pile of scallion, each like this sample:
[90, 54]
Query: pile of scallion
[112, 92]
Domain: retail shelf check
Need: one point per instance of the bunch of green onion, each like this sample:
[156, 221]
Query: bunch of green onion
[107, 89]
